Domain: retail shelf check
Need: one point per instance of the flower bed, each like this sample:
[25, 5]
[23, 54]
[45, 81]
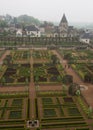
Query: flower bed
[15, 114]
[68, 99]
[16, 73]
[20, 55]
[47, 101]
[46, 73]
[49, 113]
[73, 112]
[40, 54]
[17, 102]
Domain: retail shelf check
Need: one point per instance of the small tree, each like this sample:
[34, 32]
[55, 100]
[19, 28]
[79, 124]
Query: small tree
[87, 78]
[67, 79]
[78, 92]
[54, 59]
[73, 89]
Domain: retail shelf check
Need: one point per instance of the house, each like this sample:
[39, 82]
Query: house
[32, 31]
[19, 33]
[86, 38]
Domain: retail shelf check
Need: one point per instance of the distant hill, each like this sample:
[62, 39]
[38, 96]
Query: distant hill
[82, 25]
[28, 20]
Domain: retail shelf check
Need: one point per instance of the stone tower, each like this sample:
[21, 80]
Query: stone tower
[63, 27]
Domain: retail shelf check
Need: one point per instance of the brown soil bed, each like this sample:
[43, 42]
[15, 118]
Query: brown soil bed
[68, 99]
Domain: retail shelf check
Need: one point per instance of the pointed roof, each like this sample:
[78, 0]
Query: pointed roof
[63, 20]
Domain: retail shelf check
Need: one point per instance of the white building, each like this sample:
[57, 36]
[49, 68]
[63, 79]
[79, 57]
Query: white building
[85, 38]
[19, 33]
[32, 31]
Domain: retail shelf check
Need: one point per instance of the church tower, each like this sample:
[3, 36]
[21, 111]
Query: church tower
[63, 27]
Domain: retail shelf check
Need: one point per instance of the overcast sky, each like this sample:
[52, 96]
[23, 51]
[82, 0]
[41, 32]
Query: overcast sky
[51, 10]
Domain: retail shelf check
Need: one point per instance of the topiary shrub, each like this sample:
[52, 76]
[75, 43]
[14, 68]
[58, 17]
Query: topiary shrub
[68, 79]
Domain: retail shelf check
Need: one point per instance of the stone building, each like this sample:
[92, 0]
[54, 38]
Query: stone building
[63, 27]
[64, 30]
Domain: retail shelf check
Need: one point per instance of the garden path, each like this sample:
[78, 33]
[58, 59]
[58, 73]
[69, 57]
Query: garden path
[32, 92]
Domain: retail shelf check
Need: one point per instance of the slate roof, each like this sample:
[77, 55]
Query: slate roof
[31, 28]
[87, 36]
[63, 20]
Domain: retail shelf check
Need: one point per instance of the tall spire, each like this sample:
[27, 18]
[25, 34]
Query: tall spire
[63, 20]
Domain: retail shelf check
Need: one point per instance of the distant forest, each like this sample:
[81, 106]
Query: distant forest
[23, 20]
[28, 20]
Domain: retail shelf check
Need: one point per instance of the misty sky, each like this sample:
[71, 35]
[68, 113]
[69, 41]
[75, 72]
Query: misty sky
[51, 10]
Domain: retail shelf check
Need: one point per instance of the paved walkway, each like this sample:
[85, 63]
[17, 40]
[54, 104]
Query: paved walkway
[32, 92]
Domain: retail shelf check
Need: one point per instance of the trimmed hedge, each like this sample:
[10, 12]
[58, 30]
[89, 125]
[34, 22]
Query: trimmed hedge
[28, 108]
[64, 119]
[65, 124]
[2, 122]
[36, 108]
[4, 108]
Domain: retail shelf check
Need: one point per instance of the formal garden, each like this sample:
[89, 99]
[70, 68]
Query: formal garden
[55, 109]
[13, 111]
[81, 62]
[61, 111]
